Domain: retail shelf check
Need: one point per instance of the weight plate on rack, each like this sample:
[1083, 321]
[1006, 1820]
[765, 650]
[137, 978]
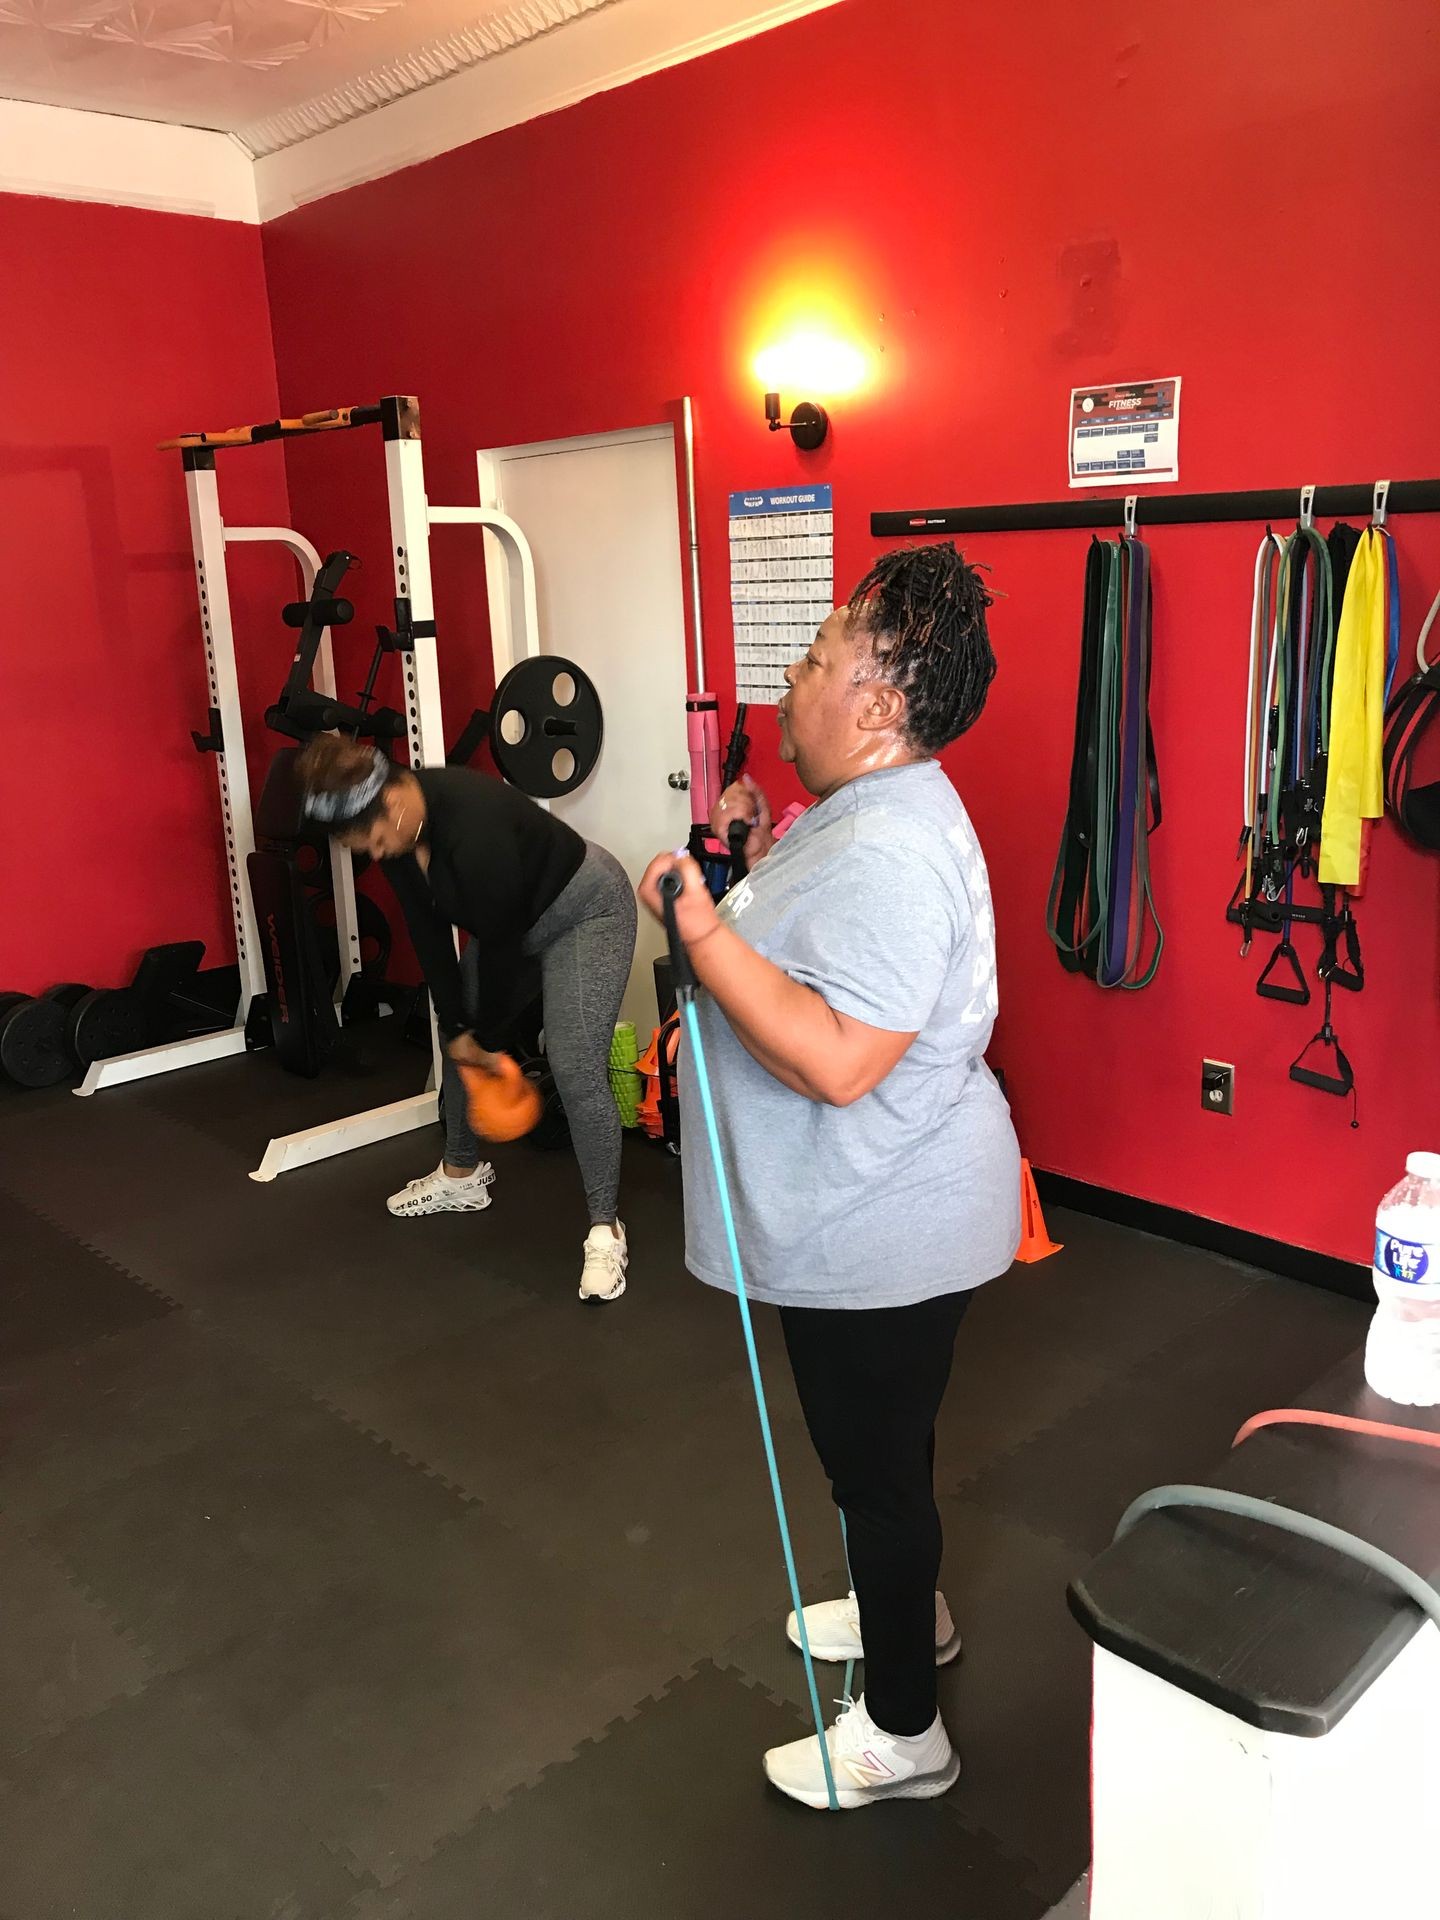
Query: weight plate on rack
[546, 727]
[32, 1044]
[109, 1021]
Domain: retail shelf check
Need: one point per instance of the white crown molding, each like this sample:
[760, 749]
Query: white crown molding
[65, 155]
[511, 26]
[605, 47]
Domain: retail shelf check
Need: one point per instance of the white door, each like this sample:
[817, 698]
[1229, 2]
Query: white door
[602, 519]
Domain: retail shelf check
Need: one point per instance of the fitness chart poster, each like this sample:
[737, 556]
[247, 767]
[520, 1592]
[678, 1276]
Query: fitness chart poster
[1129, 432]
[782, 582]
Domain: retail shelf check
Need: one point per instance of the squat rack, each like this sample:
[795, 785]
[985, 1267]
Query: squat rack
[411, 518]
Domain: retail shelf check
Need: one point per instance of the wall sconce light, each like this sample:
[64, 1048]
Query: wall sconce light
[808, 423]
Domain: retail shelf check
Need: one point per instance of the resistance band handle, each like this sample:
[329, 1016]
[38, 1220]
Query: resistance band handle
[1296, 996]
[683, 974]
[739, 833]
[1339, 1083]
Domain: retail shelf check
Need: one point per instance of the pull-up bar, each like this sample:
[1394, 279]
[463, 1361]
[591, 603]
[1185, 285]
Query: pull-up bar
[400, 413]
[1169, 509]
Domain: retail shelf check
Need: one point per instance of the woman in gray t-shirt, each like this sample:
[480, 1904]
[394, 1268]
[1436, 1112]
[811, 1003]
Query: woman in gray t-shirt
[847, 996]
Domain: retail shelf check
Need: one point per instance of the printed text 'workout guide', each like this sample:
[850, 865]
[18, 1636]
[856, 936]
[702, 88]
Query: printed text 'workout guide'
[782, 582]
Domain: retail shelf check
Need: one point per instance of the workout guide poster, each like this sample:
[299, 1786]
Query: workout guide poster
[1125, 432]
[782, 582]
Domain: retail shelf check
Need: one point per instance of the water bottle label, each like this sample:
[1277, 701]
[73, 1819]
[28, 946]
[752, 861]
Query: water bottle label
[1401, 1259]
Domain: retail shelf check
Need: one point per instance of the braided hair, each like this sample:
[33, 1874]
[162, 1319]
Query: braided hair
[922, 610]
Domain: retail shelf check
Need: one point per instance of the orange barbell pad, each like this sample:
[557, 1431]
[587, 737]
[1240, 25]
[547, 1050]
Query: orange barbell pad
[503, 1105]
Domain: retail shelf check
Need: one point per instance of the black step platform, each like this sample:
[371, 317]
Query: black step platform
[1283, 1634]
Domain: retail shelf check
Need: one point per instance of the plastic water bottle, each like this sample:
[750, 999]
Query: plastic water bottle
[1402, 1354]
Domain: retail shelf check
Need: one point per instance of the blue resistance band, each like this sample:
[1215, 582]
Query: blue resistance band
[684, 977]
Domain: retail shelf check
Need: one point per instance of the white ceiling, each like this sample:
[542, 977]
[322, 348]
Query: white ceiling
[245, 109]
[268, 71]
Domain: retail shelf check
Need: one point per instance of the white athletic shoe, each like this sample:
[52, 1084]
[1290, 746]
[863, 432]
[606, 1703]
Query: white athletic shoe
[868, 1765]
[833, 1628]
[437, 1193]
[607, 1255]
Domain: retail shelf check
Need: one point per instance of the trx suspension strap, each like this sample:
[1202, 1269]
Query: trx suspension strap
[1253, 845]
[684, 978]
[1287, 719]
[1292, 690]
[1101, 895]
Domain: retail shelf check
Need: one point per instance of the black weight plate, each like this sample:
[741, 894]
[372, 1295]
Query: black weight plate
[374, 930]
[32, 1044]
[109, 1021]
[68, 994]
[526, 702]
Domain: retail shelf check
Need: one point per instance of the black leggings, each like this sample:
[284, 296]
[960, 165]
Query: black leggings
[870, 1384]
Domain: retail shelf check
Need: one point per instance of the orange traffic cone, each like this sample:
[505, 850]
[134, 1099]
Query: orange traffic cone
[1035, 1243]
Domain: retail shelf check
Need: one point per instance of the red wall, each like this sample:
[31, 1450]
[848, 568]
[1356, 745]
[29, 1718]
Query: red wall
[996, 205]
[117, 327]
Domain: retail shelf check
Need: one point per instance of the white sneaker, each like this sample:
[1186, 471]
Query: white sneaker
[833, 1629]
[437, 1193]
[868, 1765]
[607, 1255]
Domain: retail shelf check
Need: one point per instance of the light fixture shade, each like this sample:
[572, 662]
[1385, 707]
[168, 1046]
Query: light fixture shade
[809, 361]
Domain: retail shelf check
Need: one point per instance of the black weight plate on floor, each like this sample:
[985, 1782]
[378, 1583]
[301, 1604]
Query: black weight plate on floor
[32, 1044]
[68, 994]
[109, 1021]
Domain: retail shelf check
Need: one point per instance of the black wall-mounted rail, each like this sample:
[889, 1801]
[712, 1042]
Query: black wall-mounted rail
[1156, 510]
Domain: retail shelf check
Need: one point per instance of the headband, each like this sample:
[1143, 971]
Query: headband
[335, 809]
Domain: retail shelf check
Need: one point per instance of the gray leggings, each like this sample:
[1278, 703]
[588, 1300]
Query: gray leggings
[585, 941]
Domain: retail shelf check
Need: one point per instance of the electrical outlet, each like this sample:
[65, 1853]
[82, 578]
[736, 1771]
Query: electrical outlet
[1217, 1086]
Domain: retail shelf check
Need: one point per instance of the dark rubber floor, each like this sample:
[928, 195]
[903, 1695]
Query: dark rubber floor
[353, 1571]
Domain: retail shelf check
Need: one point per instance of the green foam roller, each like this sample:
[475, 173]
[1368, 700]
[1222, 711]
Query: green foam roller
[624, 1047]
[626, 1088]
[625, 1082]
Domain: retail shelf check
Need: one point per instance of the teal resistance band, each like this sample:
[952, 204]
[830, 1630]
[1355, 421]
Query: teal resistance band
[684, 978]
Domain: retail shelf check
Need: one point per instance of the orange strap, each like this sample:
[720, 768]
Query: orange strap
[1342, 1422]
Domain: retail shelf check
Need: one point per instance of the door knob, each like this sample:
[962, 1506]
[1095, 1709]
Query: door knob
[680, 781]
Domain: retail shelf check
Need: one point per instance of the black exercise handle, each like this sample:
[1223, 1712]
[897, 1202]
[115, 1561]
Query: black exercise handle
[683, 974]
[1296, 996]
[739, 833]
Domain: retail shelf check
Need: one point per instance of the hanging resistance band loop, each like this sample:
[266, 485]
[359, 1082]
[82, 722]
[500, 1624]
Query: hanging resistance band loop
[684, 978]
[1101, 910]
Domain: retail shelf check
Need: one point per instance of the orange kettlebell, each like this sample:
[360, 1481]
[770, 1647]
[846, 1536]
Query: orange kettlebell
[502, 1105]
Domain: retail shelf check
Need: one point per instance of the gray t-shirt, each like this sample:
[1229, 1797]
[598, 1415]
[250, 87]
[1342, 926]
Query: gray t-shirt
[878, 899]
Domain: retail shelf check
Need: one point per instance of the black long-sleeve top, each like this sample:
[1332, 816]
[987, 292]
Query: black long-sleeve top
[497, 861]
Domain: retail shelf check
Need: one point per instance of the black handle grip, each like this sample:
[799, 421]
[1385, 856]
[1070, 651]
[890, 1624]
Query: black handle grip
[682, 973]
[739, 833]
[1337, 1083]
[1295, 996]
